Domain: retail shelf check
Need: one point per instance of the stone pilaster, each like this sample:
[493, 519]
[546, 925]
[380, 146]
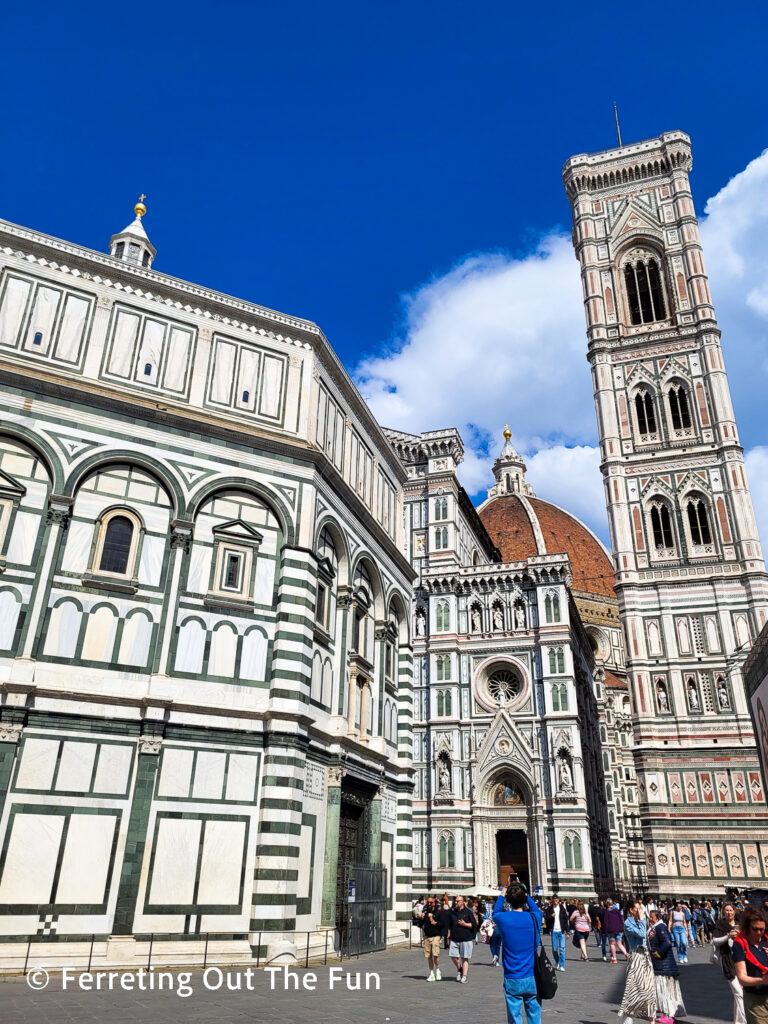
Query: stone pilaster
[331, 862]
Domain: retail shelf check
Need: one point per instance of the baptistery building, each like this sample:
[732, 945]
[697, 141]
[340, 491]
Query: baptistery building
[205, 619]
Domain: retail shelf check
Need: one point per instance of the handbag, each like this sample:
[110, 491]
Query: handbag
[543, 971]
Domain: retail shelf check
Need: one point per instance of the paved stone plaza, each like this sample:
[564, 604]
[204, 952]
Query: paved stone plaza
[589, 994]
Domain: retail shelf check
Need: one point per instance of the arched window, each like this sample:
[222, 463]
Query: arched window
[440, 704]
[552, 660]
[447, 851]
[563, 697]
[441, 508]
[552, 608]
[442, 617]
[117, 544]
[555, 697]
[448, 703]
[645, 295]
[698, 522]
[646, 414]
[679, 408]
[576, 847]
[560, 660]
[661, 526]
[555, 608]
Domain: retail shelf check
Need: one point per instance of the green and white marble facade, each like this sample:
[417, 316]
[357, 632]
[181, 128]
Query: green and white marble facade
[169, 751]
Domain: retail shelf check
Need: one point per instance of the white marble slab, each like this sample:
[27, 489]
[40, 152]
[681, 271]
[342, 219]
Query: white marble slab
[176, 772]
[222, 862]
[38, 763]
[76, 767]
[113, 768]
[85, 864]
[175, 867]
[30, 863]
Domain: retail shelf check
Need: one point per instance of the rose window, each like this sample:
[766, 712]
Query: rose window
[503, 686]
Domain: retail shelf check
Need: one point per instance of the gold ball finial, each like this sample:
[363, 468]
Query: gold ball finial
[507, 433]
[140, 209]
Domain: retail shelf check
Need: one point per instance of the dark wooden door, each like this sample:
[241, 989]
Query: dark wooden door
[350, 840]
[512, 853]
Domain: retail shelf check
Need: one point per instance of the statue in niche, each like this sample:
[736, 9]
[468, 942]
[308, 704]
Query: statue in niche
[520, 617]
[723, 699]
[661, 697]
[564, 775]
[498, 618]
[693, 697]
[444, 775]
[477, 619]
[421, 623]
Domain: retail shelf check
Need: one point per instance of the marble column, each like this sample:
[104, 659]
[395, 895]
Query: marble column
[365, 713]
[57, 519]
[181, 542]
[352, 709]
[331, 862]
[130, 874]
[374, 849]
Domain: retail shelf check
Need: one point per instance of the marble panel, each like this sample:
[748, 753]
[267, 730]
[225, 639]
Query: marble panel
[100, 635]
[253, 657]
[176, 361]
[12, 310]
[63, 630]
[113, 768]
[21, 547]
[264, 582]
[151, 561]
[241, 777]
[85, 864]
[209, 774]
[78, 547]
[190, 647]
[42, 320]
[176, 772]
[223, 651]
[76, 767]
[10, 606]
[38, 764]
[222, 862]
[199, 568]
[123, 341]
[177, 844]
[270, 399]
[223, 370]
[135, 641]
[151, 352]
[30, 863]
[73, 322]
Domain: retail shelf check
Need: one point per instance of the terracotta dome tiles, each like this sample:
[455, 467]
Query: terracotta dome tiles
[507, 521]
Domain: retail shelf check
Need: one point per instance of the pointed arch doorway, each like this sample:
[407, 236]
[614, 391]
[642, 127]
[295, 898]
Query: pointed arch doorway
[506, 827]
[512, 856]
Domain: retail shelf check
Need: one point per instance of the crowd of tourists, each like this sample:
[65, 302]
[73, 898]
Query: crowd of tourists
[651, 937]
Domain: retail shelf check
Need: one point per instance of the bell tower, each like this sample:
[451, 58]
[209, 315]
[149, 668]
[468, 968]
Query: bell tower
[690, 578]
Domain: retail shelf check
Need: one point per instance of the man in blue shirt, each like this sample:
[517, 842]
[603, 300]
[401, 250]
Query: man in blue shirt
[519, 931]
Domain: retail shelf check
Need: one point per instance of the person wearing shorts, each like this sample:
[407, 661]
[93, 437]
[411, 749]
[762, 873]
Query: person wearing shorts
[433, 929]
[463, 928]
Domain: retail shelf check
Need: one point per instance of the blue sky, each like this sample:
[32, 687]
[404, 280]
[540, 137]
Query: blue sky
[342, 162]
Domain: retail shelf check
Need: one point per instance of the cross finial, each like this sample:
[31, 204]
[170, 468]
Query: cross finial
[140, 209]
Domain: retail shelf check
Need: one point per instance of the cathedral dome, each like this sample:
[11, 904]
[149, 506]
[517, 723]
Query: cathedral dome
[522, 526]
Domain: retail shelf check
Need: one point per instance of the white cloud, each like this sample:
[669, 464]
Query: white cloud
[502, 339]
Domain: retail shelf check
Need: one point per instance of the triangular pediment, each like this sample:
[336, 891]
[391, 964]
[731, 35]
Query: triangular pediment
[503, 743]
[636, 218]
[694, 480]
[236, 529]
[10, 486]
[639, 374]
[674, 368]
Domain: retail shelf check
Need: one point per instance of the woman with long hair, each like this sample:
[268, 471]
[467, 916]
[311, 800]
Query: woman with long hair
[669, 1000]
[581, 923]
[750, 958]
[725, 931]
[639, 1001]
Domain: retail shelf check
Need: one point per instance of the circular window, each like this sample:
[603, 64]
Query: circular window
[504, 686]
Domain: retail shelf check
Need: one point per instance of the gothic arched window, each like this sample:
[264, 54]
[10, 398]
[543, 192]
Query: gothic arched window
[679, 408]
[442, 617]
[661, 524]
[646, 414]
[698, 522]
[447, 851]
[556, 698]
[645, 295]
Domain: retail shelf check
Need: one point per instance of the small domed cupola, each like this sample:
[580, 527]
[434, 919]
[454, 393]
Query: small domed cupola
[132, 244]
[509, 471]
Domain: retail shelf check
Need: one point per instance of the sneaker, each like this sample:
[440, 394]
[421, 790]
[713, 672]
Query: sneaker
[431, 976]
[614, 960]
[438, 975]
[605, 958]
[458, 976]
[684, 960]
[494, 961]
[463, 979]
